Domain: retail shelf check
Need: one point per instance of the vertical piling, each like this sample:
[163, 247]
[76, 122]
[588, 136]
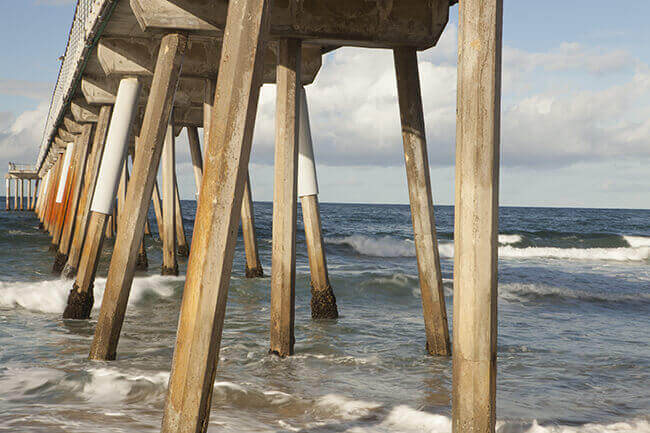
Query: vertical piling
[476, 216]
[157, 208]
[421, 199]
[7, 194]
[90, 180]
[285, 190]
[183, 249]
[187, 407]
[81, 299]
[73, 202]
[63, 193]
[253, 264]
[170, 262]
[147, 158]
[323, 301]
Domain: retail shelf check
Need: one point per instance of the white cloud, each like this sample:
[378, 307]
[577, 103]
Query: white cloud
[20, 136]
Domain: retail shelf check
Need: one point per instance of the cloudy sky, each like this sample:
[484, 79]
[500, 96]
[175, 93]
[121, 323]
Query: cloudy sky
[575, 122]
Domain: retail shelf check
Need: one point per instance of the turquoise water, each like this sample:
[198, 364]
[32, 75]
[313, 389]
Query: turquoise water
[573, 349]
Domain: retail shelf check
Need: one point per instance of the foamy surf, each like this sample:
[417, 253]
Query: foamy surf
[52, 296]
[386, 246]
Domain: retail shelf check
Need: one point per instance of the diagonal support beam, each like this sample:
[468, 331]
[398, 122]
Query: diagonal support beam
[187, 407]
[146, 161]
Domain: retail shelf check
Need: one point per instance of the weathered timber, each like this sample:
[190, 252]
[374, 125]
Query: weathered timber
[421, 199]
[90, 180]
[187, 407]
[147, 158]
[170, 261]
[476, 216]
[285, 191]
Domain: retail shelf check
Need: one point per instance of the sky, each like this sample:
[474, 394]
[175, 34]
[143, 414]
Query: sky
[575, 107]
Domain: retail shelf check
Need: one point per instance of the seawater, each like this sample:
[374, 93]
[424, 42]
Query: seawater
[573, 346]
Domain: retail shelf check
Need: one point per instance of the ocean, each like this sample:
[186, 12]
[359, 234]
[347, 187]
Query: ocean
[573, 345]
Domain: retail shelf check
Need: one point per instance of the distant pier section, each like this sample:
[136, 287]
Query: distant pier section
[24, 193]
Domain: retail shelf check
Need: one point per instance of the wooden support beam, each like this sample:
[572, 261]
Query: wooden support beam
[15, 194]
[476, 225]
[146, 161]
[90, 180]
[183, 249]
[157, 208]
[323, 301]
[195, 153]
[253, 264]
[49, 202]
[170, 262]
[285, 192]
[7, 194]
[63, 194]
[421, 199]
[187, 407]
[81, 298]
[21, 194]
[76, 183]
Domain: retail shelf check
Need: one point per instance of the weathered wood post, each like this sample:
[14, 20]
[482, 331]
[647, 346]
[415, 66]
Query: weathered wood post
[195, 153]
[476, 216]
[21, 192]
[421, 199]
[35, 193]
[285, 193]
[29, 194]
[323, 301]
[141, 261]
[81, 299]
[73, 204]
[170, 262]
[187, 407]
[90, 180]
[7, 194]
[16, 193]
[157, 208]
[146, 161]
[183, 250]
[253, 265]
[51, 205]
[62, 194]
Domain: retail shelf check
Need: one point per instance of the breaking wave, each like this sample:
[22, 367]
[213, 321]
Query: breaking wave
[531, 292]
[51, 296]
[387, 246]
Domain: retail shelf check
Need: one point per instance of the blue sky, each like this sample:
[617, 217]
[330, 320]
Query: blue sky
[576, 107]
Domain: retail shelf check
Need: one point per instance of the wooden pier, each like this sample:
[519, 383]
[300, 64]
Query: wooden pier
[138, 72]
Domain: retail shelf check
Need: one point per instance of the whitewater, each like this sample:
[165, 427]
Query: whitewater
[573, 348]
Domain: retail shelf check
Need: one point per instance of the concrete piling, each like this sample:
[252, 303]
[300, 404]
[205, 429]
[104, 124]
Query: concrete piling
[187, 407]
[421, 199]
[476, 216]
[148, 152]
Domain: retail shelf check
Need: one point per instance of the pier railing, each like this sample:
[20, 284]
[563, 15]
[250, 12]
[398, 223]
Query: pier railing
[87, 24]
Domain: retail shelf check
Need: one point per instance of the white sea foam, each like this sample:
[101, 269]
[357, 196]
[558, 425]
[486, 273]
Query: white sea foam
[343, 407]
[51, 296]
[386, 246]
[616, 254]
[526, 291]
[637, 241]
[509, 239]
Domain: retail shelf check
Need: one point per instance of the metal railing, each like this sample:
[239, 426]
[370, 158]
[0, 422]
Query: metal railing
[89, 18]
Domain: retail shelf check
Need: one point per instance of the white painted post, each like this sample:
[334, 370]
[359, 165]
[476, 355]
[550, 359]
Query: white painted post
[64, 173]
[117, 143]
